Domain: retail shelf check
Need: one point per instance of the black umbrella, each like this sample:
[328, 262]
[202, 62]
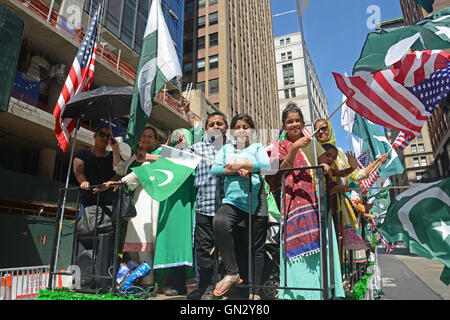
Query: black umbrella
[101, 103]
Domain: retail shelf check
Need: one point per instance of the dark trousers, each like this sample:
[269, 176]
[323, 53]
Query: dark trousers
[232, 241]
[203, 245]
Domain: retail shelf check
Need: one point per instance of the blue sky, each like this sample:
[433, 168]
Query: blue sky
[335, 31]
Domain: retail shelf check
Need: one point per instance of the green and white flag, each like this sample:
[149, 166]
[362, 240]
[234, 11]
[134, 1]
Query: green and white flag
[420, 217]
[158, 64]
[374, 140]
[426, 4]
[383, 48]
[163, 177]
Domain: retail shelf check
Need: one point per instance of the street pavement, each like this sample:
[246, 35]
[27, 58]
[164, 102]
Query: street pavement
[405, 276]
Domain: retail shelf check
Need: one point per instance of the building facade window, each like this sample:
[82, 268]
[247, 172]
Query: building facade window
[283, 56]
[281, 42]
[286, 93]
[201, 43]
[213, 62]
[288, 74]
[423, 161]
[201, 22]
[201, 3]
[211, 2]
[421, 147]
[413, 148]
[213, 86]
[289, 55]
[200, 86]
[213, 18]
[187, 68]
[213, 39]
[189, 6]
[200, 65]
[416, 162]
[293, 95]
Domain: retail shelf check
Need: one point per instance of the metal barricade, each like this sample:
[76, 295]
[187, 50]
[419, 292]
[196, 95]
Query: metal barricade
[325, 244]
[23, 283]
[96, 274]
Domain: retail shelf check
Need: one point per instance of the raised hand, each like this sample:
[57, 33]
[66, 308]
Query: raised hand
[352, 161]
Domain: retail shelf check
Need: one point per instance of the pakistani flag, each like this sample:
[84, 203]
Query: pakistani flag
[374, 139]
[380, 202]
[426, 4]
[163, 177]
[158, 64]
[420, 217]
[385, 47]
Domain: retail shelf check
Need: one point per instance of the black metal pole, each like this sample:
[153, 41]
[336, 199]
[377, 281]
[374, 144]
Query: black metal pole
[75, 232]
[323, 235]
[250, 271]
[330, 237]
[284, 216]
[60, 217]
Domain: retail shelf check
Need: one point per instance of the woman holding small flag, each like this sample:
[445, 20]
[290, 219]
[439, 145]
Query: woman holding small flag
[300, 207]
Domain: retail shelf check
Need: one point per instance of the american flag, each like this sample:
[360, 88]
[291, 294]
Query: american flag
[402, 141]
[388, 246]
[401, 98]
[364, 161]
[79, 79]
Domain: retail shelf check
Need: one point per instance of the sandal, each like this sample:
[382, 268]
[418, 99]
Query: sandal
[231, 279]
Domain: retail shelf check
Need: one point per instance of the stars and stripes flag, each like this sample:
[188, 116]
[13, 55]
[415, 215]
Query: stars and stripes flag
[79, 79]
[402, 141]
[403, 97]
[364, 161]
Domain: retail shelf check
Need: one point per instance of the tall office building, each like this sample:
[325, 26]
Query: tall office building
[291, 78]
[228, 54]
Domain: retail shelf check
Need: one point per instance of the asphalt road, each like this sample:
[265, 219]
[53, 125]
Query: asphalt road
[405, 276]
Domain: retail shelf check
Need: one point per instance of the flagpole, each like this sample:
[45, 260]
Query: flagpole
[329, 117]
[54, 258]
[383, 188]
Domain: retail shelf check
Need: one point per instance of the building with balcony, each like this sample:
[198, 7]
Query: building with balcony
[291, 78]
[30, 160]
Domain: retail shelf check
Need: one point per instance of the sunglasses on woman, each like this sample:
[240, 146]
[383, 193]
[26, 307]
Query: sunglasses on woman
[104, 134]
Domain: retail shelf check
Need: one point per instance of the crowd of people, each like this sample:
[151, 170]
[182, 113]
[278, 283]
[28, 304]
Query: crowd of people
[198, 223]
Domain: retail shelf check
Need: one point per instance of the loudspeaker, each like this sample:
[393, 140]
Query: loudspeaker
[90, 274]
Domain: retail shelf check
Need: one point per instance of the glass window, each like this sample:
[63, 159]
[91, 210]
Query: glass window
[189, 6]
[211, 2]
[423, 161]
[201, 21]
[416, 162]
[289, 55]
[293, 95]
[413, 148]
[288, 40]
[113, 16]
[200, 86]
[419, 176]
[213, 39]
[201, 43]
[128, 21]
[288, 74]
[286, 93]
[213, 18]
[188, 26]
[421, 147]
[213, 86]
[188, 46]
[200, 65]
[281, 41]
[201, 3]
[213, 62]
[283, 56]
[187, 68]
